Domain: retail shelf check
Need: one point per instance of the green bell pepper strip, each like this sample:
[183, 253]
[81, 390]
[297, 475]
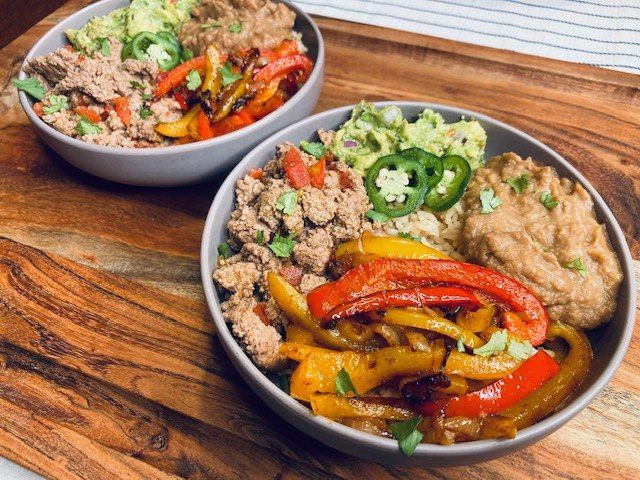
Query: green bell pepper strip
[415, 191]
[455, 188]
[140, 44]
[431, 162]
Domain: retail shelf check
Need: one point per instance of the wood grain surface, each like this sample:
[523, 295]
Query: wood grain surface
[109, 367]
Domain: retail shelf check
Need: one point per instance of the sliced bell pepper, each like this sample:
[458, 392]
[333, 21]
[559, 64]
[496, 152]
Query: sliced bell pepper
[317, 173]
[389, 247]
[230, 124]
[284, 66]
[87, 113]
[179, 96]
[179, 128]
[501, 394]
[259, 110]
[336, 406]
[121, 106]
[391, 274]
[424, 321]
[295, 169]
[233, 92]
[178, 75]
[204, 126]
[477, 367]
[212, 79]
[407, 297]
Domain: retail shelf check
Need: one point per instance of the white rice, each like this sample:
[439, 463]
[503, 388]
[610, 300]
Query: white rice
[439, 230]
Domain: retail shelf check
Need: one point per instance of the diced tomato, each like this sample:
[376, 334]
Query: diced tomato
[259, 310]
[87, 113]
[38, 109]
[105, 112]
[121, 106]
[256, 173]
[292, 274]
[69, 48]
[317, 172]
[181, 100]
[295, 169]
[345, 180]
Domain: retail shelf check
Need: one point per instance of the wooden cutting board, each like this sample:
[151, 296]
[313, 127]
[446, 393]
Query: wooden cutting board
[109, 367]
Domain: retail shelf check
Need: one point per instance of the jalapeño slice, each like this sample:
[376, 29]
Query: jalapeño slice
[431, 162]
[453, 189]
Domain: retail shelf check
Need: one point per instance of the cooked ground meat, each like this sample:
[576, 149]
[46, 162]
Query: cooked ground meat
[96, 82]
[316, 220]
[263, 24]
[535, 245]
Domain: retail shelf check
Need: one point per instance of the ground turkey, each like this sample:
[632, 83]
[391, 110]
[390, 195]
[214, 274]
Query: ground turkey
[560, 250]
[276, 228]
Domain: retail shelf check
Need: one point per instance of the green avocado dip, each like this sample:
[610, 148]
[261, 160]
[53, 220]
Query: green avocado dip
[370, 134]
[126, 22]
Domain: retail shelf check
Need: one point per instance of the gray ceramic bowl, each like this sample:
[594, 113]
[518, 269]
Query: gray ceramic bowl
[609, 343]
[180, 164]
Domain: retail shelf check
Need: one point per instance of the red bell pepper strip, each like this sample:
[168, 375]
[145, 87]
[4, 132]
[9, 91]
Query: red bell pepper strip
[256, 173]
[181, 100]
[499, 395]
[283, 66]
[121, 106]
[391, 274]
[259, 110]
[295, 169]
[204, 126]
[230, 123]
[409, 297]
[317, 172]
[178, 75]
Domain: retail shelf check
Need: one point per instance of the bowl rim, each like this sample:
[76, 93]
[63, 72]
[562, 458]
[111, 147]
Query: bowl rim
[137, 153]
[524, 436]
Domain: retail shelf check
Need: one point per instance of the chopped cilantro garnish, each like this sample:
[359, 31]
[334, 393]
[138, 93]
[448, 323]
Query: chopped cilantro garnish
[136, 84]
[224, 250]
[344, 384]
[187, 54]
[547, 200]
[147, 96]
[376, 216]
[228, 75]
[282, 246]
[105, 48]
[520, 184]
[235, 27]
[32, 86]
[578, 266]
[56, 103]
[497, 343]
[316, 149]
[287, 202]
[260, 237]
[193, 80]
[521, 350]
[407, 434]
[214, 24]
[85, 127]
[145, 113]
[409, 236]
[488, 200]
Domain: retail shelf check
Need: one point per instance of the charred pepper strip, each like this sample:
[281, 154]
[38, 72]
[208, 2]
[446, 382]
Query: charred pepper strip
[391, 274]
[178, 75]
[408, 297]
[231, 94]
[284, 66]
[501, 394]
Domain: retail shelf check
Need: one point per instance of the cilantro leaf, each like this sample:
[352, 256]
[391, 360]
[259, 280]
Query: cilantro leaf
[461, 345]
[577, 265]
[228, 75]
[409, 236]
[235, 27]
[282, 246]
[85, 127]
[287, 202]
[105, 48]
[376, 216]
[187, 54]
[260, 237]
[56, 103]
[193, 80]
[521, 350]
[488, 200]
[547, 200]
[496, 344]
[147, 96]
[145, 113]
[520, 184]
[407, 434]
[316, 149]
[32, 86]
[344, 384]
[136, 84]
[214, 24]
[224, 250]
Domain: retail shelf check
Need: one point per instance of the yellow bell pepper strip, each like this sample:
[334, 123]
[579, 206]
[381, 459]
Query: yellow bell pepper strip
[573, 371]
[295, 308]
[458, 386]
[418, 341]
[297, 334]
[212, 78]
[500, 395]
[179, 128]
[336, 406]
[477, 321]
[299, 351]
[477, 367]
[231, 94]
[317, 372]
[388, 247]
[423, 321]
[354, 331]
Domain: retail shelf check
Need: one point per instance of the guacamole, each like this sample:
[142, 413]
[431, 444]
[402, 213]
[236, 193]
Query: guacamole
[125, 23]
[371, 133]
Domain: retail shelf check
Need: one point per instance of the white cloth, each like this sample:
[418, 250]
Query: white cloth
[605, 33]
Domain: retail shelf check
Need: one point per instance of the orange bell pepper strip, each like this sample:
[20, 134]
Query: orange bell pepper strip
[283, 66]
[499, 395]
[296, 171]
[87, 113]
[391, 274]
[231, 124]
[178, 75]
[204, 126]
[317, 173]
[121, 106]
[407, 297]
[259, 110]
